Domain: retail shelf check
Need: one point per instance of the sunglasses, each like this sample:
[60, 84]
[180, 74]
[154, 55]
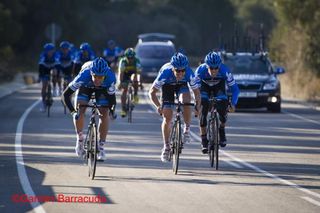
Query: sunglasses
[99, 77]
[179, 71]
[213, 68]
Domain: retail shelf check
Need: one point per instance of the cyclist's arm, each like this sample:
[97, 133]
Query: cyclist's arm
[66, 98]
[153, 97]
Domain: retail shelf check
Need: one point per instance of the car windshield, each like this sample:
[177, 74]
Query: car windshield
[247, 65]
[155, 52]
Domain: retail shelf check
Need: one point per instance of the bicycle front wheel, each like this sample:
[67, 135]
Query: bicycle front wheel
[211, 142]
[129, 107]
[216, 142]
[92, 151]
[176, 147]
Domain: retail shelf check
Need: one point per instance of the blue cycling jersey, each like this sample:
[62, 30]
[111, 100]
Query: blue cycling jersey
[48, 62]
[65, 60]
[84, 79]
[224, 74]
[166, 76]
[81, 58]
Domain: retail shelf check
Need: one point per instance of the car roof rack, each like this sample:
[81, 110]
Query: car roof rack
[156, 37]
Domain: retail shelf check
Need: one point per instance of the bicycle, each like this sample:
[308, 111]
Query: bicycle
[48, 96]
[91, 139]
[176, 135]
[129, 102]
[213, 133]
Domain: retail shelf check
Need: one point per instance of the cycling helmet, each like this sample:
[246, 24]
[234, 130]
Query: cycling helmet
[213, 59]
[99, 67]
[48, 47]
[111, 43]
[85, 46]
[65, 45]
[179, 61]
[129, 53]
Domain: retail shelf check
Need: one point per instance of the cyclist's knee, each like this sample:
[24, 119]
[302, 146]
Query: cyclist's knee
[186, 97]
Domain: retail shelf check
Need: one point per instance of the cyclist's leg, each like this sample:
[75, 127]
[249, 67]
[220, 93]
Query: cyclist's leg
[167, 114]
[203, 123]
[54, 74]
[222, 110]
[124, 86]
[186, 98]
[135, 85]
[59, 82]
[103, 99]
[82, 97]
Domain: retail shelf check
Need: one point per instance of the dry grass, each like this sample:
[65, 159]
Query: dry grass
[299, 81]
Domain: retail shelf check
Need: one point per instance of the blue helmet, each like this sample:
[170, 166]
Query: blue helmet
[85, 46]
[99, 67]
[129, 53]
[179, 61]
[48, 47]
[111, 43]
[65, 45]
[213, 59]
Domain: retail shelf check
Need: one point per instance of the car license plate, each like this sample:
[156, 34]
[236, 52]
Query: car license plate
[248, 94]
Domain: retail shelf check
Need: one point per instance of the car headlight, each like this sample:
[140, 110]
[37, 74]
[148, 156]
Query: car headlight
[270, 86]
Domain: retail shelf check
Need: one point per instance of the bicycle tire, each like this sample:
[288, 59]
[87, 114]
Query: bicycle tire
[48, 99]
[216, 144]
[177, 148]
[93, 151]
[211, 143]
[171, 139]
[129, 105]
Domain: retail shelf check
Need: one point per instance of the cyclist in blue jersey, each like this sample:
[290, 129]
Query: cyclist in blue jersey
[95, 76]
[65, 65]
[112, 53]
[85, 54]
[214, 76]
[174, 77]
[47, 63]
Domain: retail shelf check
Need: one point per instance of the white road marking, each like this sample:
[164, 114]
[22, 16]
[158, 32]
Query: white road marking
[257, 169]
[300, 117]
[23, 177]
[311, 200]
[196, 137]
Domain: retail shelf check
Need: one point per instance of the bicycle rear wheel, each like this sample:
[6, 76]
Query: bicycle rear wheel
[216, 142]
[177, 148]
[92, 150]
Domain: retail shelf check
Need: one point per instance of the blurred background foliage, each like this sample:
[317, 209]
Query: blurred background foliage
[291, 28]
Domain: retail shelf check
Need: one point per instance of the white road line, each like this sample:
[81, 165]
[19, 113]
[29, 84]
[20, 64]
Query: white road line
[196, 137]
[257, 169]
[311, 200]
[23, 177]
[300, 117]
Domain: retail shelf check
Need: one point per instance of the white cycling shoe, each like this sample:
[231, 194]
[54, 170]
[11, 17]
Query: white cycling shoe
[186, 138]
[79, 149]
[165, 155]
[101, 155]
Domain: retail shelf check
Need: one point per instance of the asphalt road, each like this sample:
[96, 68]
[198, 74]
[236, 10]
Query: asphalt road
[271, 163]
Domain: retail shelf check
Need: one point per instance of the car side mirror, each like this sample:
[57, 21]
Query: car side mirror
[279, 70]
